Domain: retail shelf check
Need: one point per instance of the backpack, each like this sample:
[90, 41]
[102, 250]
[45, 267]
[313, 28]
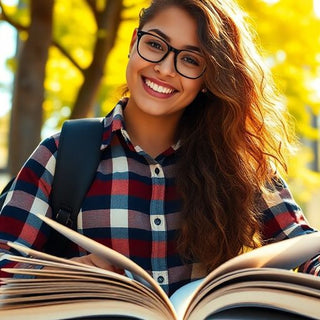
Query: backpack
[77, 161]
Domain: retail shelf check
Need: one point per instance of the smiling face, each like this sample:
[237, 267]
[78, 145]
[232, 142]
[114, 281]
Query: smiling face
[157, 89]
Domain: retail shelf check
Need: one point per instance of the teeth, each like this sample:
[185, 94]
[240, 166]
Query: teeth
[158, 88]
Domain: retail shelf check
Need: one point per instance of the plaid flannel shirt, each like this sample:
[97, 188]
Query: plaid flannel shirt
[132, 206]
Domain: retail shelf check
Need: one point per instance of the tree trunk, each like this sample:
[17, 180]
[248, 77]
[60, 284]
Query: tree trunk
[108, 22]
[28, 95]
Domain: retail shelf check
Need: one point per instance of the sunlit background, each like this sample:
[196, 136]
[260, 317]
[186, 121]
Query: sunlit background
[288, 32]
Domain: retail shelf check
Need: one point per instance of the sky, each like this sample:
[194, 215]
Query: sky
[6, 77]
[7, 50]
[316, 5]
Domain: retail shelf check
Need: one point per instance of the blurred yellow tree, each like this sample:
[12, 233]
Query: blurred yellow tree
[62, 62]
[78, 36]
[288, 32]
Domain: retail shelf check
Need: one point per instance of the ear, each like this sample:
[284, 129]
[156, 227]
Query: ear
[133, 39]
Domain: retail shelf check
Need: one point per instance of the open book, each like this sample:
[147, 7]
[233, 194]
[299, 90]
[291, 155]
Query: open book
[260, 281]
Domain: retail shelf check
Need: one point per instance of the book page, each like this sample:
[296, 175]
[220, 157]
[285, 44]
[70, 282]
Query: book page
[113, 257]
[286, 254]
[243, 281]
[74, 287]
[256, 296]
[59, 281]
[85, 309]
[289, 280]
[68, 279]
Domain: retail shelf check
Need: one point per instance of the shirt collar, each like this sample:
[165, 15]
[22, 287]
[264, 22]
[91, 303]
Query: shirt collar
[114, 122]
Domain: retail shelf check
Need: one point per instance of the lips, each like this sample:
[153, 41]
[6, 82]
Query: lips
[158, 88]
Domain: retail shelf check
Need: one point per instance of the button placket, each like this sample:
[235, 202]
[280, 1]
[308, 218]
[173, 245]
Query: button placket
[158, 223]
[156, 171]
[161, 277]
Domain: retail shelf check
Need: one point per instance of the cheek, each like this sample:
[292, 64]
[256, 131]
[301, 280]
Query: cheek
[131, 72]
[128, 72]
[135, 64]
[192, 87]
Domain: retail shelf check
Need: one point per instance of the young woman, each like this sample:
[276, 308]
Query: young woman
[189, 172]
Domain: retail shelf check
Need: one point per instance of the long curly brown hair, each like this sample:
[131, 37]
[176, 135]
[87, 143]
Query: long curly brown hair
[231, 136]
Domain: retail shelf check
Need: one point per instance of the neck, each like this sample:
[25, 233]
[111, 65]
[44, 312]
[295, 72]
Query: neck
[154, 134]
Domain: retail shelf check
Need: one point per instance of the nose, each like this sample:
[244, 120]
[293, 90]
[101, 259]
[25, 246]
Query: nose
[167, 65]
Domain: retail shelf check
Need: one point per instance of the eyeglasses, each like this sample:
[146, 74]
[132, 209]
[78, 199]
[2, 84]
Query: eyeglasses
[154, 49]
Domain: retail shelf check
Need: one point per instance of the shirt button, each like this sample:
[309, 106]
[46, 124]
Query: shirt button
[157, 221]
[157, 171]
[160, 279]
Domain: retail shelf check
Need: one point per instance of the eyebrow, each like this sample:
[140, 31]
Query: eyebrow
[165, 37]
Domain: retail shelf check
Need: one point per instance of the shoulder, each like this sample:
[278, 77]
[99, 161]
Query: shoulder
[46, 150]
[282, 217]
[40, 166]
[276, 196]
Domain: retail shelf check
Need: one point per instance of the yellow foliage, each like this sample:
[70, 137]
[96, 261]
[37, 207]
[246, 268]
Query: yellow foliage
[75, 29]
[301, 178]
[115, 68]
[289, 35]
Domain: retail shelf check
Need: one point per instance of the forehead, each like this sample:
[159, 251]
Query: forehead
[177, 24]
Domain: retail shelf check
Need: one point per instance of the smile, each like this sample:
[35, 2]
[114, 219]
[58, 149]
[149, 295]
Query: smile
[158, 88]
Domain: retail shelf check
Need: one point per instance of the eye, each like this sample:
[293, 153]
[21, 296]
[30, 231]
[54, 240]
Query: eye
[189, 59]
[154, 44]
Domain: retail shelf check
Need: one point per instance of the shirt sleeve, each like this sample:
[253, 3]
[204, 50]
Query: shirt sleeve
[27, 198]
[282, 219]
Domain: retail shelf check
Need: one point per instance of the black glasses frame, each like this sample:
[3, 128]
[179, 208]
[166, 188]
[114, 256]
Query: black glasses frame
[140, 33]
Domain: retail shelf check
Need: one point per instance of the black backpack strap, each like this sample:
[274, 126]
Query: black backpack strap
[77, 161]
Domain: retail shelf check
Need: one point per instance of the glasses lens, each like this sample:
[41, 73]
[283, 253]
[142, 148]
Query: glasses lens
[188, 63]
[152, 48]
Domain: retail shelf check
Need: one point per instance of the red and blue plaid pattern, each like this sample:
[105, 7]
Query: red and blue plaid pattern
[132, 206]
